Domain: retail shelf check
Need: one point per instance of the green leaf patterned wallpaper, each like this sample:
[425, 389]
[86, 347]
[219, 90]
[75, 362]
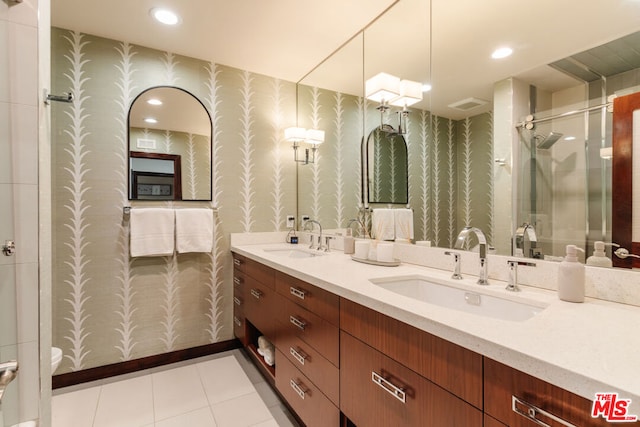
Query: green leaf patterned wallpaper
[108, 307]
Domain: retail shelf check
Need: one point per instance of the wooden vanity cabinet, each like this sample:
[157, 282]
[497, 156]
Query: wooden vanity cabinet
[535, 398]
[253, 307]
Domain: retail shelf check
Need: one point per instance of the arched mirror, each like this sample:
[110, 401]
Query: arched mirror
[386, 166]
[169, 146]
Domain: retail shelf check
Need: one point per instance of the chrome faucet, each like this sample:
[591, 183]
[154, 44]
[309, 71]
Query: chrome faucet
[306, 224]
[482, 242]
[456, 265]
[524, 232]
[513, 273]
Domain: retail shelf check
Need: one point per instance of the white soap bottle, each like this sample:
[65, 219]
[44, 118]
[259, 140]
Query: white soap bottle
[599, 258]
[349, 242]
[571, 276]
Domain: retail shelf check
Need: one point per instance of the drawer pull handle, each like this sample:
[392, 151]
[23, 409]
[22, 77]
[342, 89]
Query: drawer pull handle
[297, 323]
[237, 321]
[298, 355]
[237, 262]
[297, 292]
[393, 390]
[237, 301]
[256, 293]
[296, 387]
[531, 412]
[237, 281]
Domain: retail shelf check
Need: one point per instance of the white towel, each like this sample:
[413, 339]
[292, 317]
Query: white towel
[404, 224]
[151, 232]
[383, 224]
[194, 230]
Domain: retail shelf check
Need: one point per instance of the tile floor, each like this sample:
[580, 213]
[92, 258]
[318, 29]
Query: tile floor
[223, 390]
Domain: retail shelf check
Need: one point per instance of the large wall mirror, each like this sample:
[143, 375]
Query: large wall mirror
[169, 146]
[468, 163]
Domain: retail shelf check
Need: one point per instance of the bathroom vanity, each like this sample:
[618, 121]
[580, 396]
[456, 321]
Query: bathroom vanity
[349, 352]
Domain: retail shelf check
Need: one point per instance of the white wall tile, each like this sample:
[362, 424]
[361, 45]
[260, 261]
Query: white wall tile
[25, 13]
[25, 204]
[19, 67]
[8, 330]
[27, 294]
[28, 380]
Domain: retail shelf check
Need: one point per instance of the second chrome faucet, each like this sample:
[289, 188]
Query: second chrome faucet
[483, 278]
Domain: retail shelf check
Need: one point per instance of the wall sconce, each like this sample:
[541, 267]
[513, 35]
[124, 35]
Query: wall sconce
[297, 135]
[390, 90]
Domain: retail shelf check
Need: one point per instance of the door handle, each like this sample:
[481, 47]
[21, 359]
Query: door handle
[8, 372]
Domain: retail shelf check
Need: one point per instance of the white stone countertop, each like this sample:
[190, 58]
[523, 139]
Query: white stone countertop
[584, 348]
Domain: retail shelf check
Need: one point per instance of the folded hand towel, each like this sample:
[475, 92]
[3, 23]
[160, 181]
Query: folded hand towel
[382, 224]
[151, 232]
[404, 223]
[194, 230]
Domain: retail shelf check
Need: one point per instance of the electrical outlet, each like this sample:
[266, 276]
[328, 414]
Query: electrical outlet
[304, 218]
[291, 221]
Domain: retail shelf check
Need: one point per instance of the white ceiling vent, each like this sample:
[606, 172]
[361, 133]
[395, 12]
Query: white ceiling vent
[468, 104]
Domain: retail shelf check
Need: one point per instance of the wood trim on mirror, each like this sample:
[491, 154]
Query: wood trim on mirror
[622, 170]
[177, 171]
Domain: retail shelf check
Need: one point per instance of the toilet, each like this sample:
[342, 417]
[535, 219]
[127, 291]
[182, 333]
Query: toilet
[56, 358]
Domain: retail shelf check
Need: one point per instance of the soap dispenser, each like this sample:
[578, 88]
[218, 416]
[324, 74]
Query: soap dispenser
[599, 258]
[571, 276]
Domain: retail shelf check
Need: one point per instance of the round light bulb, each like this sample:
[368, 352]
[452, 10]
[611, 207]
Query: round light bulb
[165, 16]
[502, 52]
[150, 120]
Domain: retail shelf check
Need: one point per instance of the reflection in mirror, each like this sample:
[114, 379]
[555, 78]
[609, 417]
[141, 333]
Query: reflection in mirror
[169, 123]
[386, 165]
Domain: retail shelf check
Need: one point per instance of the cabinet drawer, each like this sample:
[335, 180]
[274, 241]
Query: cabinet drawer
[501, 382]
[238, 281]
[260, 272]
[308, 361]
[259, 305]
[377, 391]
[450, 366]
[310, 328]
[310, 404]
[239, 330]
[321, 302]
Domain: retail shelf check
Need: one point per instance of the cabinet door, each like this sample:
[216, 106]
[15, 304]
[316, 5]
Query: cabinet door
[535, 398]
[452, 367]
[377, 391]
[311, 405]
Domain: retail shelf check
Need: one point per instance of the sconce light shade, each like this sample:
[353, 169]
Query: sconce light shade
[410, 93]
[314, 136]
[294, 134]
[382, 87]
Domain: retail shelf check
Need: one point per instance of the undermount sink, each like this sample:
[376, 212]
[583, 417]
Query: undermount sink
[458, 298]
[294, 253]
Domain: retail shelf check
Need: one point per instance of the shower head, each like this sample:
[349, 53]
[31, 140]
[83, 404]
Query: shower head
[545, 142]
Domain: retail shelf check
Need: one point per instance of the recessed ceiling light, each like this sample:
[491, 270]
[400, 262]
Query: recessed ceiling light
[165, 16]
[150, 120]
[426, 87]
[502, 52]
[154, 101]
[570, 138]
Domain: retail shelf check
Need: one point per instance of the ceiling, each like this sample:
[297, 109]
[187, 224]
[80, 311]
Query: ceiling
[287, 39]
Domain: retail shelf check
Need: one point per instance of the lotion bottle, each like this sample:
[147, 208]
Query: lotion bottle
[599, 258]
[571, 276]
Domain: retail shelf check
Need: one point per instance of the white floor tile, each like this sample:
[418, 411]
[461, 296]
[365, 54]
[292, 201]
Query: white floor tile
[243, 411]
[224, 379]
[126, 403]
[270, 423]
[74, 409]
[176, 392]
[200, 418]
